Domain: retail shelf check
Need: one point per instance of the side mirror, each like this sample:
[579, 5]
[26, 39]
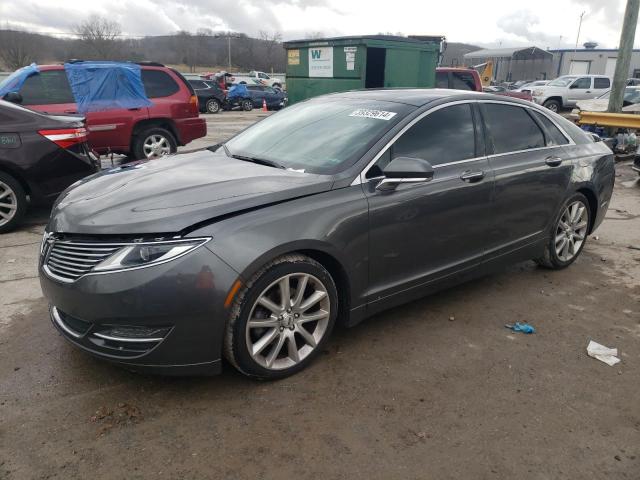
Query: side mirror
[13, 97]
[596, 137]
[405, 170]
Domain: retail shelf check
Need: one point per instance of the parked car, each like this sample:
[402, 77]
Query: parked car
[633, 81]
[173, 119]
[259, 78]
[565, 91]
[458, 78]
[501, 90]
[530, 86]
[40, 156]
[275, 99]
[254, 249]
[210, 96]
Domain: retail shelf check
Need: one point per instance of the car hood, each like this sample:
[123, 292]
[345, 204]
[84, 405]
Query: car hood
[602, 104]
[171, 194]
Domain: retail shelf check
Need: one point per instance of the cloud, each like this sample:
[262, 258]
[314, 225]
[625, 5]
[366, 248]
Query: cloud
[523, 24]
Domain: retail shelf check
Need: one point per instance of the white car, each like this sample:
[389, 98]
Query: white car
[529, 87]
[565, 91]
[257, 78]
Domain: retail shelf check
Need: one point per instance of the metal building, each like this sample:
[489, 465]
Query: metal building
[512, 64]
[594, 61]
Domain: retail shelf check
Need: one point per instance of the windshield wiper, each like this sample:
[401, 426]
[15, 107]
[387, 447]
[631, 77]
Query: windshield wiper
[259, 161]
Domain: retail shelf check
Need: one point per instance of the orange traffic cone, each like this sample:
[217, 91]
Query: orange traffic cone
[264, 105]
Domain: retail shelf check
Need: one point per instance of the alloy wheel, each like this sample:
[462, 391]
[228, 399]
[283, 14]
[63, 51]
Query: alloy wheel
[571, 231]
[287, 321]
[213, 106]
[553, 107]
[156, 146]
[8, 203]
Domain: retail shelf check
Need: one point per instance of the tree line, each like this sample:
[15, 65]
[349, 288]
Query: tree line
[98, 38]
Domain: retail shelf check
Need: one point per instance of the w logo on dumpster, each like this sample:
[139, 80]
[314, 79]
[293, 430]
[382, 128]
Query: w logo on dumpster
[316, 54]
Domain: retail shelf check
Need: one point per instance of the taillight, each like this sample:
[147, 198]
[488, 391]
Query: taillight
[193, 101]
[65, 137]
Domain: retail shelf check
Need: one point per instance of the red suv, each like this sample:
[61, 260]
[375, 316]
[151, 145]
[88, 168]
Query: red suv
[140, 132]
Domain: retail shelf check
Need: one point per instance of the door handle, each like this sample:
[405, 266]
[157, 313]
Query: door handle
[553, 161]
[588, 91]
[472, 176]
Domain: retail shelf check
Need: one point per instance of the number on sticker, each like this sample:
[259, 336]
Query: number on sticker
[366, 113]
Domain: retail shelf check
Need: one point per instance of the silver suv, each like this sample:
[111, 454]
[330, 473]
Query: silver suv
[565, 91]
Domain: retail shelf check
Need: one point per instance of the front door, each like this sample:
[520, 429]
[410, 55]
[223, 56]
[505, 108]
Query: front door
[531, 174]
[425, 231]
[580, 89]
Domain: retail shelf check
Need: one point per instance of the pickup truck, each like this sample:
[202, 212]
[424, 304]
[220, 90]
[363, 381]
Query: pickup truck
[259, 78]
[565, 91]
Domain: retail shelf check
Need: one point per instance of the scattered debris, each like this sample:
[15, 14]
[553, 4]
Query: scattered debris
[521, 327]
[123, 414]
[452, 318]
[596, 237]
[602, 353]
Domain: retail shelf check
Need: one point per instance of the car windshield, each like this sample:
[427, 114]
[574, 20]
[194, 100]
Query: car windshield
[562, 81]
[319, 136]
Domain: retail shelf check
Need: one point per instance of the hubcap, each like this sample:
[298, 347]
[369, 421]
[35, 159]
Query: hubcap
[288, 321]
[156, 146]
[213, 106]
[571, 231]
[8, 203]
[553, 107]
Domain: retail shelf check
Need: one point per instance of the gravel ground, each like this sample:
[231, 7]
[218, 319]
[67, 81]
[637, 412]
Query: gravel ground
[435, 389]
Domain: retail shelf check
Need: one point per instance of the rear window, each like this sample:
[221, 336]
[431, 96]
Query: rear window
[49, 87]
[555, 135]
[601, 83]
[197, 84]
[462, 81]
[158, 84]
[511, 128]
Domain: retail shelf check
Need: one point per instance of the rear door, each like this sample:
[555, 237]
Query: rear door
[531, 174]
[425, 231]
[601, 85]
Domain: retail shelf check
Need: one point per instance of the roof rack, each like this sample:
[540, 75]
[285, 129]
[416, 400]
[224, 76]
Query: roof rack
[151, 64]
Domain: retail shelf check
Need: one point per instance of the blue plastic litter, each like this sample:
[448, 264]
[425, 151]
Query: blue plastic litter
[14, 82]
[99, 86]
[521, 327]
[238, 91]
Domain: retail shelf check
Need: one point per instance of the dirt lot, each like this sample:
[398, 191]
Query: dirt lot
[409, 394]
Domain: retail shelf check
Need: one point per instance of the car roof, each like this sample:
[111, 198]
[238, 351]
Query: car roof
[416, 97]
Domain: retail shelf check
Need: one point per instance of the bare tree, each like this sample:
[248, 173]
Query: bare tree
[272, 43]
[101, 35]
[18, 49]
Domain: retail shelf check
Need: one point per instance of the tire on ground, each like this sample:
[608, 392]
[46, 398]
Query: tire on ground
[137, 146]
[21, 203]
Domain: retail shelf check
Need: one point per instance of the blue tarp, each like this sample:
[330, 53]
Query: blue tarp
[99, 86]
[14, 82]
[238, 91]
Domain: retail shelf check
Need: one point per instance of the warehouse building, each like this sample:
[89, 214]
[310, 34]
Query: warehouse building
[592, 60]
[512, 64]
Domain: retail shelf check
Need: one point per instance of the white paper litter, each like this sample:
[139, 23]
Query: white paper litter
[602, 353]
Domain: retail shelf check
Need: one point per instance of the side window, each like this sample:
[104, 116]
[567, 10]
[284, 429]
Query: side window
[555, 135]
[601, 82]
[263, 75]
[511, 128]
[442, 80]
[582, 83]
[47, 88]
[158, 84]
[197, 84]
[462, 81]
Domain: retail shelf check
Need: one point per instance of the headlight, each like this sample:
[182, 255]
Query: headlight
[148, 253]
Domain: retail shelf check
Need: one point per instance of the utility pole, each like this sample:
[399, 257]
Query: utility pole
[627, 37]
[229, 48]
[577, 40]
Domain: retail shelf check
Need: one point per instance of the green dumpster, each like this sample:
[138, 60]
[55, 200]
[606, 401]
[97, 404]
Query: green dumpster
[319, 66]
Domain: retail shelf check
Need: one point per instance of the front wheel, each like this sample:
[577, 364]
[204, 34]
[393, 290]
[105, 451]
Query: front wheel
[552, 105]
[283, 317]
[212, 105]
[568, 235]
[247, 105]
[153, 143]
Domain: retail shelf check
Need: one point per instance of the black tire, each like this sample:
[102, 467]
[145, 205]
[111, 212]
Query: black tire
[212, 105]
[552, 105]
[236, 350]
[141, 137]
[16, 197]
[550, 257]
[247, 105]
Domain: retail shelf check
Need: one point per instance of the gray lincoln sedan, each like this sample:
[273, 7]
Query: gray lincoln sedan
[329, 211]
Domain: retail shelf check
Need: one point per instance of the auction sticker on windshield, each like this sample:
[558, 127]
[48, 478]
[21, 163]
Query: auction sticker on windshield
[366, 113]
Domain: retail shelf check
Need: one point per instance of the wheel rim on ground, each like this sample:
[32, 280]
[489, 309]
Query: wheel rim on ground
[571, 231]
[8, 203]
[288, 321]
[156, 146]
[247, 105]
[213, 106]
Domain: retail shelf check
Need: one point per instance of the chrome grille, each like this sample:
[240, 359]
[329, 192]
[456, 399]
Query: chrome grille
[70, 260]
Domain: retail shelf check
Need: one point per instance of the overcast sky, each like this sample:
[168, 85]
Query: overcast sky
[545, 23]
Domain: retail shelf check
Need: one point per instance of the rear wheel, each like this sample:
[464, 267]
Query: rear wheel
[13, 202]
[212, 105]
[247, 105]
[552, 105]
[282, 318]
[569, 234]
[153, 143]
